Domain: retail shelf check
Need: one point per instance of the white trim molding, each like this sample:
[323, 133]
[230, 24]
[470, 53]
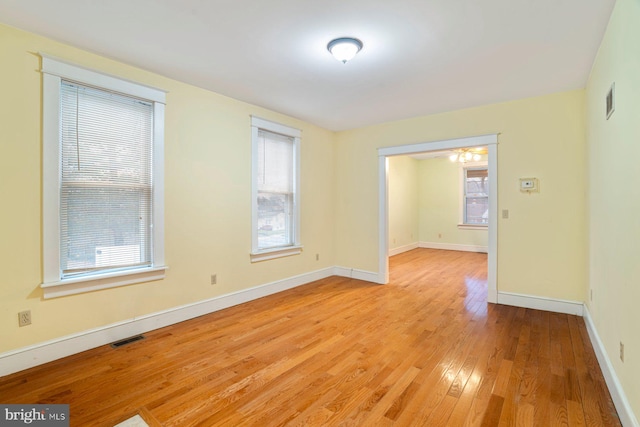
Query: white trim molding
[462, 193]
[28, 357]
[446, 144]
[293, 246]
[64, 69]
[491, 142]
[472, 227]
[354, 273]
[275, 253]
[454, 247]
[402, 249]
[541, 303]
[54, 71]
[625, 412]
[96, 282]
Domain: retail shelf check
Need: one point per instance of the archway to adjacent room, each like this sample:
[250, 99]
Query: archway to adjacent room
[490, 141]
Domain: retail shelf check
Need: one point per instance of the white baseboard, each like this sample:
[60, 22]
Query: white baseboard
[541, 303]
[354, 273]
[454, 247]
[625, 412]
[27, 357]
[405, 248]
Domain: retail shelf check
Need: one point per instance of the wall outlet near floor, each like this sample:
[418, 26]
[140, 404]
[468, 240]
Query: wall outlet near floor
[24, 318]
[317, 257]
[621, 351]
[214, 279]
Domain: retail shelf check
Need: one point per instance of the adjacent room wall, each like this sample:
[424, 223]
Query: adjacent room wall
[439, 208]
[207, 210]
[542, 246]
[403, 204]
[614, 196]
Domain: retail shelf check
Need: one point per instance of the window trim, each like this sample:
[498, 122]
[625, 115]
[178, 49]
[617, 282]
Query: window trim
[54, 70]
[462, 225]
[257, 254]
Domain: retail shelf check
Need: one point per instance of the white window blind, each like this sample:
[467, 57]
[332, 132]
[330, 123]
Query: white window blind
[106, 181]
[276, 192]
[476, 196]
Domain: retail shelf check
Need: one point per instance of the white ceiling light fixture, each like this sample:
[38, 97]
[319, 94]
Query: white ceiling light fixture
[466, 155]
[344, 48]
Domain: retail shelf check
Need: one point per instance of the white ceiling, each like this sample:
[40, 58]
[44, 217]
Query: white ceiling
[419, 57]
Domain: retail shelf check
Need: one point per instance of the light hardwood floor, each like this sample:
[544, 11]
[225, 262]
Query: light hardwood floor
[424, 350]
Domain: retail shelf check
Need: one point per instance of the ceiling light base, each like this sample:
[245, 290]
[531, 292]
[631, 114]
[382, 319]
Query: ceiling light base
[344, 48]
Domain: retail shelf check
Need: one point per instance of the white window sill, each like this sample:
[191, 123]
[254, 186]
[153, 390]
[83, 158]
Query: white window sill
[275, 253]
[101, 281]
[472, 227]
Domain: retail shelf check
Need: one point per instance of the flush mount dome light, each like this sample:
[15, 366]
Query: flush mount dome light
[344, 48]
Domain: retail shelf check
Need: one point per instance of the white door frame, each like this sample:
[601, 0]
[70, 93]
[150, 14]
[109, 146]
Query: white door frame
[490, 141]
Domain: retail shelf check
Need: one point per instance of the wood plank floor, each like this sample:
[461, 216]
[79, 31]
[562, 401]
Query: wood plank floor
[424, 350]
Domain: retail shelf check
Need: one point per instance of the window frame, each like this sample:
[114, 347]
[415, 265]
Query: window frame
[295, 248]
[462, 224]
[54, 70]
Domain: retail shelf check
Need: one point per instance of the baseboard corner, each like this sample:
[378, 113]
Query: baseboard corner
[540, 303]
[619, 397]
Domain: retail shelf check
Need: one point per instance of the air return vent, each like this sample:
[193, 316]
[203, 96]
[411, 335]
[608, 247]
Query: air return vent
[611, 100]
[127, 341]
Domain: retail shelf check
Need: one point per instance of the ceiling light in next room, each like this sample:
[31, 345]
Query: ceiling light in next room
[468, 154]
[344, 48]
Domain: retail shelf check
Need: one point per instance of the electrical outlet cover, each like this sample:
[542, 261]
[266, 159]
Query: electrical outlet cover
[24, 318]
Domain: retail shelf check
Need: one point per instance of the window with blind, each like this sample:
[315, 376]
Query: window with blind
[275, 190]
[476, 196]
[106, 180]
[102, 180]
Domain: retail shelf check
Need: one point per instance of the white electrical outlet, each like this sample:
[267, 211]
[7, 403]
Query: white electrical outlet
[214, 279]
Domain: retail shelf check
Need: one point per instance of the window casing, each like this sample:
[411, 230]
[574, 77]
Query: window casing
[475, 196]
[103, 198]
[275, 184]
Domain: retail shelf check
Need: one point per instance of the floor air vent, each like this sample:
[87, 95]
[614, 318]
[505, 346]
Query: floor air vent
[126, 341]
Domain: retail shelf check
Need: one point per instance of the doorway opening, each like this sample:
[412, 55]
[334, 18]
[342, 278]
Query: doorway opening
[489, 141]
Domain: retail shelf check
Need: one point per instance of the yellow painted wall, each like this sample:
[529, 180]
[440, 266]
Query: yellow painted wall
[403, 201]
[208, 200]
[542, 246]
[614, 195]
[439, 205]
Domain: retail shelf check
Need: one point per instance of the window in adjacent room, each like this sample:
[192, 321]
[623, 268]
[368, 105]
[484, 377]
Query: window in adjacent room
[475, 196]
[276, 175]
[103, 173]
